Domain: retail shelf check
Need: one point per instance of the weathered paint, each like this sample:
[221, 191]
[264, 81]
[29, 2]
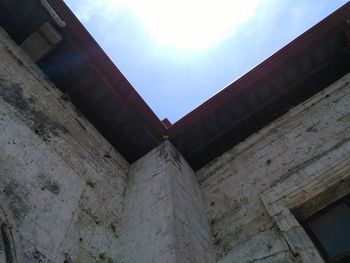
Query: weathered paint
[304, 142]
[67, 196]
[165, 218]
[57, 188]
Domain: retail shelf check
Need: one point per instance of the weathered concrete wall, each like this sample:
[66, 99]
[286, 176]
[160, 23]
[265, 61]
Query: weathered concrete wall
[58, 190]
[164, 218]
[305, 140]
[64, 199]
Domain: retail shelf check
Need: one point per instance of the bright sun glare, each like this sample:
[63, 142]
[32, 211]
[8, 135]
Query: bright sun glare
[191, 24]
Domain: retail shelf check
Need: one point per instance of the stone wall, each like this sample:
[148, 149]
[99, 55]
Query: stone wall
[66, 195]
[61, 182]
[286, 154]
[165, 218]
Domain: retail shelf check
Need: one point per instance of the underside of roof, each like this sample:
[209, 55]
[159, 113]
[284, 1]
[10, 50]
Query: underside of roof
[80, 68]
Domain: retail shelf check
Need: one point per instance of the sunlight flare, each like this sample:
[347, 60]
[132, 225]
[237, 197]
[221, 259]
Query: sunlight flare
[192, 24]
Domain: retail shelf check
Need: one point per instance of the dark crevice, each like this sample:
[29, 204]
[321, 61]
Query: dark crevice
[7, 244]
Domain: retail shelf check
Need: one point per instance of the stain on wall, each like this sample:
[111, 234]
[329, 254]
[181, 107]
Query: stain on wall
[12, 93]
[46, 183]
[63, 195]
[300, 142]
[15, 194]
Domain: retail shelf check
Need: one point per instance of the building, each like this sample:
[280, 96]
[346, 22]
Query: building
[258, 173]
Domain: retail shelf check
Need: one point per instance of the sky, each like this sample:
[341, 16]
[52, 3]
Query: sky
[177, 54]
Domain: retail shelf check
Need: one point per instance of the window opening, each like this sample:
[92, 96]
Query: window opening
[329, 229]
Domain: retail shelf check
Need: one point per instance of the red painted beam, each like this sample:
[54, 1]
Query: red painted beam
[339, 19]
[105, 69]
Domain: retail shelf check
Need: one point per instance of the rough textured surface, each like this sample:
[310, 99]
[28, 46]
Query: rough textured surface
[296, 144]
[165, 219]
[61, 183]
[67, 196]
